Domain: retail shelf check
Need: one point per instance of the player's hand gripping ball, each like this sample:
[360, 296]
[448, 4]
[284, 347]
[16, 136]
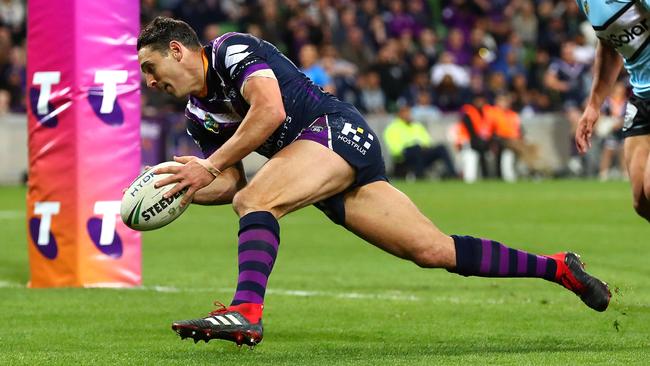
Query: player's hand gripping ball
[144, 207]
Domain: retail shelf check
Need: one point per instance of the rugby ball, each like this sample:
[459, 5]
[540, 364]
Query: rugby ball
[144, 207]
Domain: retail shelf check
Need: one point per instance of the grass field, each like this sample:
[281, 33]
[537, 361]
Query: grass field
[334, 299]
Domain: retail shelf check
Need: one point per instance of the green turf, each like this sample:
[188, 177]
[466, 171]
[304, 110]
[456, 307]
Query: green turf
[336, 300]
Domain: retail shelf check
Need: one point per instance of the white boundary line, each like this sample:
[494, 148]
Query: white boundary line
[393, 295]
[11, 214]
[281, 292]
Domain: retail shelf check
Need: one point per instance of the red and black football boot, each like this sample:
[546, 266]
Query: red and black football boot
[571, 274]
[241, 324]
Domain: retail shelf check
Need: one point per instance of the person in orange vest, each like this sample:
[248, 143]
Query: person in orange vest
[508, 135]
[475, 131]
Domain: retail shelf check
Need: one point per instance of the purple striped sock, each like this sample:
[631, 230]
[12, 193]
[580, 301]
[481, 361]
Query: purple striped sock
[488, 258]
[258, 248]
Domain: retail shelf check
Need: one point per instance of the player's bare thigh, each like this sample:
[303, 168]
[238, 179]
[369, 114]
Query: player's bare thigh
[637, 152]
[387, 218]
[299, 175]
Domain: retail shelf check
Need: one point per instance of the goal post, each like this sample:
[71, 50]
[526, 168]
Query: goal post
[83, 85]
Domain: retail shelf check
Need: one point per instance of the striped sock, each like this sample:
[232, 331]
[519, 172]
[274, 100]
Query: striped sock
[259, 237]
[488, 258]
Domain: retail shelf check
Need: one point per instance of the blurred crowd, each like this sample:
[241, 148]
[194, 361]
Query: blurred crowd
[378, 54]
[432, 55]
[435, 56]
[12, 56]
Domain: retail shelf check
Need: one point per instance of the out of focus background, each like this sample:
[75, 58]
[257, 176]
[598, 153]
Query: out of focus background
[524, 64]
[476, 91]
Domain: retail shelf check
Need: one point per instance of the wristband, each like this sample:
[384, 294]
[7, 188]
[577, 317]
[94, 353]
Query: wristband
[209, 167]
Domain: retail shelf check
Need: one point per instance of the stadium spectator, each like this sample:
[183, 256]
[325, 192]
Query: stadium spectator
[428, 42]
[399, 21]
[565, 77]
[372, 98]
[378, 32]
[342, 72]
[449, 97]
[16, 75]
[210, 32]
[148, 10]
[510, 60]
[311, 66]
[356, 49]
[419, 10]
[474, 134]
[476, 85]
[550, 32]
[458, 47]
[5, 102]
[419, 84]
[482, 44]
[524, 21]
[412, 148]
[496, 84]
[347, 22]
[272, 28]
[392, 71]
[509, 139]
[463, 14]
[12, 15]
[447, 66]
[424, 110]
[523, 101]
[366, 11]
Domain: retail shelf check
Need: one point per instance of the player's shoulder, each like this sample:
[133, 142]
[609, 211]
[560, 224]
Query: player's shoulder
[232, 43]
[600, 13]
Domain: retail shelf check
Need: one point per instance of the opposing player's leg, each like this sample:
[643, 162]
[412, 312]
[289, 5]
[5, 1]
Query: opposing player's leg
[301, 174]
[637, 161]
[387, 218]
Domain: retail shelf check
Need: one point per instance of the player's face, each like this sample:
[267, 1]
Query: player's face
[163, 72]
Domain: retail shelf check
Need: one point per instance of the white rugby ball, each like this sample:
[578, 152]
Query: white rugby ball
[144, 207]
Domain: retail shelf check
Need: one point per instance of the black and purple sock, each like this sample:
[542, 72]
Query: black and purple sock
[259, 238]
[488, 258]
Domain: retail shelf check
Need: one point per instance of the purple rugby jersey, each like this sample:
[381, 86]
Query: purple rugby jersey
[232, 57]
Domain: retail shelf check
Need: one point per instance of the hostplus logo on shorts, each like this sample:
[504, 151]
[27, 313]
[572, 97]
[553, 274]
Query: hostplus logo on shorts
[353, 136]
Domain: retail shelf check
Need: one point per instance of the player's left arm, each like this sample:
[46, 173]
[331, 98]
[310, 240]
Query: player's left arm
[223, 188]
[265, 115]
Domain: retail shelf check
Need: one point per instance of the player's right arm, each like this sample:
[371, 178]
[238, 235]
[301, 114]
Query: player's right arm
[607, 66]
[224, 187]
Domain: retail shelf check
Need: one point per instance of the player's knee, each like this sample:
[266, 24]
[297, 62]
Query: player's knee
[247, 200]
[244, 202]
[426, 256]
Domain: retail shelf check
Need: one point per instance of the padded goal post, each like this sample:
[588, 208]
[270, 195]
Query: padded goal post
[83, 85]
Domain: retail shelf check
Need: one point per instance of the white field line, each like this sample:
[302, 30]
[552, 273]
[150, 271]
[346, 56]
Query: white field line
[295, 293]
[11, 214]
[8, 284]
[394, 295]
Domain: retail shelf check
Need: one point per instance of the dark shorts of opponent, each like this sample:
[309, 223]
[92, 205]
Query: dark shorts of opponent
[637, 117]
[347, 134]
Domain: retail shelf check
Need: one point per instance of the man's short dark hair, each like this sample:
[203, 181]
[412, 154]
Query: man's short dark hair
[163, 30]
